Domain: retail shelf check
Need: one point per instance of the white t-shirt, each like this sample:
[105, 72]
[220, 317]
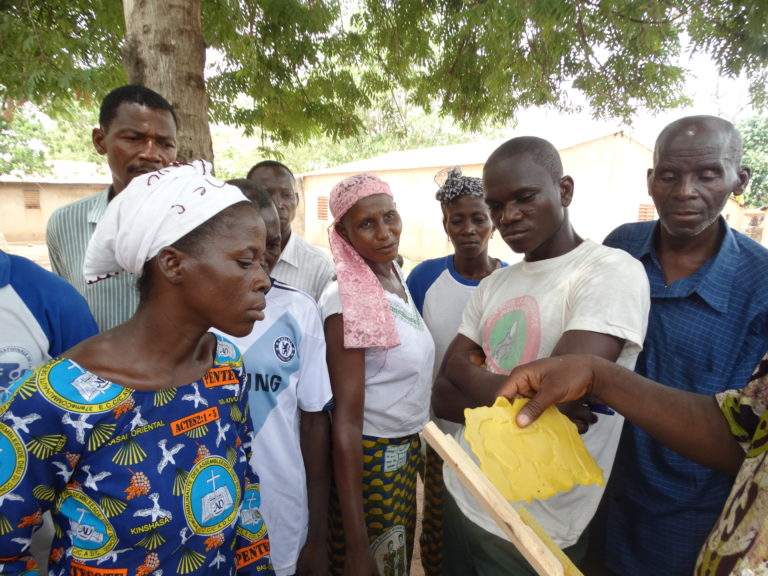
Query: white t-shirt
[398, 381]
[440, 293]
[284, 358]
[518, 314]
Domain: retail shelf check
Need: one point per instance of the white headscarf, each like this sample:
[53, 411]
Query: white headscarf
[153, 212]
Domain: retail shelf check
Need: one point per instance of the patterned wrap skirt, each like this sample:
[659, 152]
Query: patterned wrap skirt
[431, 540]
[390, 467]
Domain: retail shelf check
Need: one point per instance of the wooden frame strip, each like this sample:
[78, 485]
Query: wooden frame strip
[520, 527]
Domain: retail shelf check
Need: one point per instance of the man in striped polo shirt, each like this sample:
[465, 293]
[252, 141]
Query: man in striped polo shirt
[137, 133]
[301, 265]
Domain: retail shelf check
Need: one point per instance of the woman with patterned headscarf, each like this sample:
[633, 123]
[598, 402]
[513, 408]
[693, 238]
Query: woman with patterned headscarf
[380, 356]
[136, 439]
[441, 288]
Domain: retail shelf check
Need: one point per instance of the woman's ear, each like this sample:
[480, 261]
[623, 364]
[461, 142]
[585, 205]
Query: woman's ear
[171, 263]
[341, 230]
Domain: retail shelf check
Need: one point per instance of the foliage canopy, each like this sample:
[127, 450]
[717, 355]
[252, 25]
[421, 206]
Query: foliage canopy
[293, 69]
[21, 149]
[754, 135]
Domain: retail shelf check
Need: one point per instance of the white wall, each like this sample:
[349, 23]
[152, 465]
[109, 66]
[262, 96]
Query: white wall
[609, 175]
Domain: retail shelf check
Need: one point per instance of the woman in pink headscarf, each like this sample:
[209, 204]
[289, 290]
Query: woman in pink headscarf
[380, 356]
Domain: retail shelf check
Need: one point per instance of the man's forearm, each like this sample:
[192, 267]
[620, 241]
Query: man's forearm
[479, 386]
[315, 445]
[690, 424]
[448, 402]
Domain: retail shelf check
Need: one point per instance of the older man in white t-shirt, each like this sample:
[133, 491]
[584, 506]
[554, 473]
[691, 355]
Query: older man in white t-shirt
[301, 265]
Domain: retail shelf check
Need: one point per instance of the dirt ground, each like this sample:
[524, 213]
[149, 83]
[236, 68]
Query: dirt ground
[416, 569]
[37, 252]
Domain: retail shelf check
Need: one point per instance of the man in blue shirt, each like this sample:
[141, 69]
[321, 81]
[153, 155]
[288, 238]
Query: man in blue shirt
[708, 329]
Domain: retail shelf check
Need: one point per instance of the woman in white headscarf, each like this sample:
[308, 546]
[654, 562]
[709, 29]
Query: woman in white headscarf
[136, 438]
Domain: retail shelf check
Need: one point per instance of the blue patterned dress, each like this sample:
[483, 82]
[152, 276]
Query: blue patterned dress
[139, 482]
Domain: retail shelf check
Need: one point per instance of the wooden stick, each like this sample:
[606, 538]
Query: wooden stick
[526, 534]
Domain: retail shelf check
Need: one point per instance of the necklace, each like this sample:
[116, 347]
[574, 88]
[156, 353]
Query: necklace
[491, 264]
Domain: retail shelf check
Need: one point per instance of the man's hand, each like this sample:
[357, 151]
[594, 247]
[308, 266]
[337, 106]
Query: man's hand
[664, 412]
[578, 413]
[548, 381]
[313, 560]
[360, 562]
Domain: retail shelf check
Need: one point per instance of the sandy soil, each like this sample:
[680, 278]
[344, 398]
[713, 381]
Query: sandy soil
[416, 569]
[37, 252]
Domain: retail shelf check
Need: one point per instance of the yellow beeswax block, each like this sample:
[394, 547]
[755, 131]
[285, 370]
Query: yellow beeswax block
[539, 461]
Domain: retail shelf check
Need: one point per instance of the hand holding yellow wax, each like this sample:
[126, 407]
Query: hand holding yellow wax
[539, 461]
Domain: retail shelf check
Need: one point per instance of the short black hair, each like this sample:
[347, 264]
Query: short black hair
[733, 144]
[133, 94]
[542, 152]
[254, 192]
[269, 164]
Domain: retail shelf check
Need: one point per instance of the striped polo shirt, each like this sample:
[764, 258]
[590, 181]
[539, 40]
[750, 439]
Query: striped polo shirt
[113, 300]
[304, 266]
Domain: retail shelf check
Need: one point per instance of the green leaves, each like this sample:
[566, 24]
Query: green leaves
[735, 35]
[280, 72]
[754, 135]
[57, 52]
[29, 139]
[22, 146]
[291, 70]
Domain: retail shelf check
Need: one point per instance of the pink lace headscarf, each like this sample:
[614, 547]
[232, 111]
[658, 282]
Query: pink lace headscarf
[368, 320]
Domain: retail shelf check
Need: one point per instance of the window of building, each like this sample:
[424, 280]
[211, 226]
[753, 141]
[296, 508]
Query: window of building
[646, 213]
[32, 199]
[322, 207]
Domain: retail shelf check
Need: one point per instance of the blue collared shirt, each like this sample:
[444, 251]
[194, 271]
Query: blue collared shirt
[706, 334]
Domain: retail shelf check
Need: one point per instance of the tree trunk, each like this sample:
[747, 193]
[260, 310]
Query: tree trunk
[164, 51]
